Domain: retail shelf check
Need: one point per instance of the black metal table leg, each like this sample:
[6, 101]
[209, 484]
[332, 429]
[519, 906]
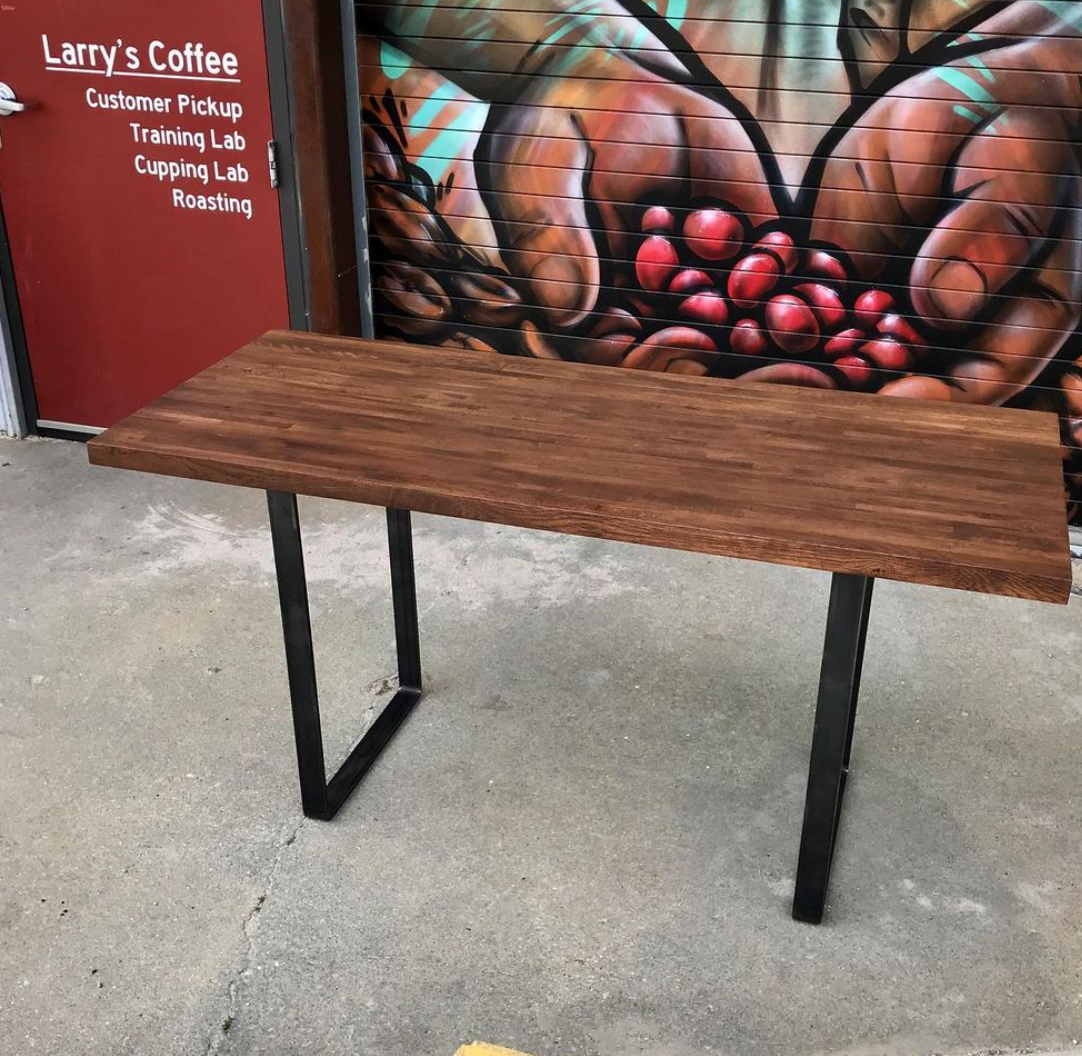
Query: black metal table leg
[832, 739]
[321, 798]
[865, 611]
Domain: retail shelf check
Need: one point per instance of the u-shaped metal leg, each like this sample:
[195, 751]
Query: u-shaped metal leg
[321, 798]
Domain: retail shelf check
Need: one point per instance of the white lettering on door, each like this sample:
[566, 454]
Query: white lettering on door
[95, 58]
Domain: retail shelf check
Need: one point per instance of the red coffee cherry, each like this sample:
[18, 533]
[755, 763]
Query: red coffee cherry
[857, 370]
[753, 278]
[655, 262]
[845, 343]
[825, 302]
[888, 354]
[826, 266]
[658, 220]
[714, 234]
[872, 305]
[899, 327]
[689, 279]
[792, 324]
[706, 308]
[780, 244]
[747, 338]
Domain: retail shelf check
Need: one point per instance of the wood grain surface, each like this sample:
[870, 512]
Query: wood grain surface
[966, 497]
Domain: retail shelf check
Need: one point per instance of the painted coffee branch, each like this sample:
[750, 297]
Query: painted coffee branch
[876, 197]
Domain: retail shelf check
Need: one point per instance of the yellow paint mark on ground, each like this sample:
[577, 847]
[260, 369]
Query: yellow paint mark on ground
[479, 1048]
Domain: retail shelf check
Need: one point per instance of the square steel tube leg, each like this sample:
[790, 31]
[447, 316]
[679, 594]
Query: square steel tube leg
[321, 798]
[832, 740]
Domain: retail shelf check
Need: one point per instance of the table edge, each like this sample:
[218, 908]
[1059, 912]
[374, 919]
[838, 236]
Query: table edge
[1044, 587]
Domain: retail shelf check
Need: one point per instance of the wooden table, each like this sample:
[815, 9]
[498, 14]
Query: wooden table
[860, 486]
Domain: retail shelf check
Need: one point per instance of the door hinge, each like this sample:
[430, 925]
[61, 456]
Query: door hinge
[272, 162]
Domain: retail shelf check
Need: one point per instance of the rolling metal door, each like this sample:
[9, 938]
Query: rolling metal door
[879, 195]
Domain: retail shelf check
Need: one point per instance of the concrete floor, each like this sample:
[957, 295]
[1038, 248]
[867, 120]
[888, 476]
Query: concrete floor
[581, 843]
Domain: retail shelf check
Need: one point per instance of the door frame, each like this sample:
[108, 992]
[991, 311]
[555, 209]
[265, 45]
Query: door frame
[295, 259]
[12, 422]
[317, 76]
[355, 146]
[21, 406]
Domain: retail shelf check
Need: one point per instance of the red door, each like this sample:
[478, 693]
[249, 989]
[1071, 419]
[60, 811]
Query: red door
[143, 228]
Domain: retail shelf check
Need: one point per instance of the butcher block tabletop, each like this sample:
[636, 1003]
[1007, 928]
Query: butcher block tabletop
[943, 494]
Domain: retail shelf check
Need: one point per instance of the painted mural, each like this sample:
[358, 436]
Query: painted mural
[877, 195]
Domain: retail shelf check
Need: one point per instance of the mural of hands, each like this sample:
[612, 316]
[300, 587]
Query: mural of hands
[569, 163]
[973, 206]
[643, 188]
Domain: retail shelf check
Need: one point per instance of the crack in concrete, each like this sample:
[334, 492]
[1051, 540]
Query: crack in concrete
[220, 1033]
[384, 684]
